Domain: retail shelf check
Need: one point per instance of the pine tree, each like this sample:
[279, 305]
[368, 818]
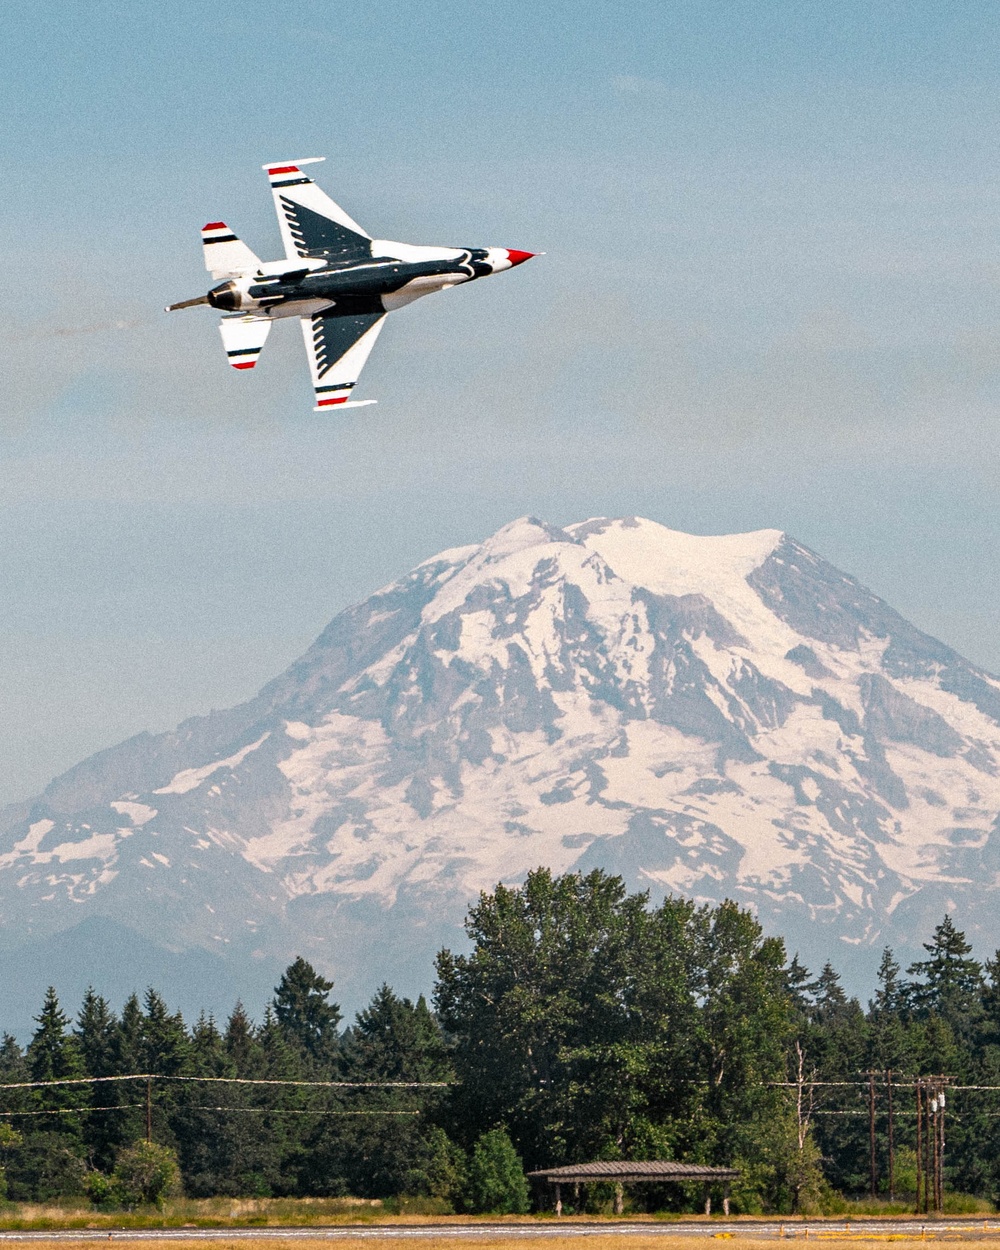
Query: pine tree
[240, 1040]
[798, 986]
[164, 1038]
[198, 1128]
[122, 1127]
[208, 1054]
[95, 1033]
[953, 984]
[50, 1162]
[395, 1040]
[303, 1010]
[54, 1055]
[890, 1045]
[130, 1050]
[890, 997]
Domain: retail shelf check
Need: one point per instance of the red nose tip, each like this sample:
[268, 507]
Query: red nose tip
[516, 258]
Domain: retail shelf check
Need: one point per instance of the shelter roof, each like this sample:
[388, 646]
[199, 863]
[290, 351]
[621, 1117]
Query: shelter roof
[645, 1170]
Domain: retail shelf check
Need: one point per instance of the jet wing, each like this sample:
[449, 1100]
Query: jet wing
[337, 348]
[311, 223]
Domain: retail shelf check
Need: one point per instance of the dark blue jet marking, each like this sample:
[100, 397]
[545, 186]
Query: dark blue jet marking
[333, 336]
[316, 235]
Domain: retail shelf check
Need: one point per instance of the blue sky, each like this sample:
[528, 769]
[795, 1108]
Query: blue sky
[770, 297]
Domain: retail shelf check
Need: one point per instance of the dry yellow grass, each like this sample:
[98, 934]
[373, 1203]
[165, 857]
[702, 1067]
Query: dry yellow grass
[596, 1241]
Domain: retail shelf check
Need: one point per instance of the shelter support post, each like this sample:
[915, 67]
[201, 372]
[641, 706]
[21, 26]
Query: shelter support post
[576, 1197]
[558, 1199]
[619, 1198]
[708, 1201]
[725, 1200]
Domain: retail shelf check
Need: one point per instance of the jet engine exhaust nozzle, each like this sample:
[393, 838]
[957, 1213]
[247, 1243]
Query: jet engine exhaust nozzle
[225, 297]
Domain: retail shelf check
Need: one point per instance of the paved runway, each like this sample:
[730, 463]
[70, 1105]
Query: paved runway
[959, 1229]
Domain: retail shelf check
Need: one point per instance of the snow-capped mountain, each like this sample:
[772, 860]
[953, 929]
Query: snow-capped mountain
[717, 717]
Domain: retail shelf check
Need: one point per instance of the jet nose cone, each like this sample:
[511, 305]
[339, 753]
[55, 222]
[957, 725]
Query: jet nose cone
[518, 258]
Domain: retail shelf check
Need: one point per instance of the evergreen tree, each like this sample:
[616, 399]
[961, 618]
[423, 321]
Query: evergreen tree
[165, 1044]
[953, 984]
[128, 1055]
[890, 1037]
[196, 1126]
[166, 1051]
[799, 988]
[303, 1010]
[95, 1033]
[130, 1049]
[54, 1055]
[393, 1040]
[50, 1163]
[240, 1040]
[207, 1054]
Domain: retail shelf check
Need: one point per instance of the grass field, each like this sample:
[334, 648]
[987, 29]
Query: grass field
[597, 1241]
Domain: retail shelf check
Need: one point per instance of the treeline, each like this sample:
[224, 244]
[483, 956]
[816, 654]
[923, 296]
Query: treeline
[585, 1024]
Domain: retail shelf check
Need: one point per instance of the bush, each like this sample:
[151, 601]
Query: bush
[145, 1174]
[496, 1184]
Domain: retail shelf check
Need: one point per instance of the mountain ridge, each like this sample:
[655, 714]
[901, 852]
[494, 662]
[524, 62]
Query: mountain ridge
[714, 716]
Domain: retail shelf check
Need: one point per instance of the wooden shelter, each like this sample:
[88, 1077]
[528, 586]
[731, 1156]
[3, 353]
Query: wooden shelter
[621, 1174]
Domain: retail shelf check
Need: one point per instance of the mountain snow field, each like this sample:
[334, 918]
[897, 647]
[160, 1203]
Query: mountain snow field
[712, 716]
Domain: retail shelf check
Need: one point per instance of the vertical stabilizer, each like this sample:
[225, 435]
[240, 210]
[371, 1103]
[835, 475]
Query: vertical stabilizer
[226, 256]
[244, 339]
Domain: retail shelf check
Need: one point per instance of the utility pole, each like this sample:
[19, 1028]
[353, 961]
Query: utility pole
[932, 1129]
[941, 1150]
[892, 1152]
[871, 1135]
[930, 1162]
[941, 1104]
[917, 1088]
[149, 1109]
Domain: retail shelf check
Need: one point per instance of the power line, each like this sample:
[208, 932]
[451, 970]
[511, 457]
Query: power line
[135, 1106]
[230, 1080]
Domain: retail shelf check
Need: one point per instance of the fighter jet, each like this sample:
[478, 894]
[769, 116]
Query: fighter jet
[337, 279]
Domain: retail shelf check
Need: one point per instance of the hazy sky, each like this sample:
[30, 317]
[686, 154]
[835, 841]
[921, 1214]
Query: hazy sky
[770, 297]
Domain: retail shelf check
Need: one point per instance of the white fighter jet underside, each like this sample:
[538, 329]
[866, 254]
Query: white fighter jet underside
[337, 279]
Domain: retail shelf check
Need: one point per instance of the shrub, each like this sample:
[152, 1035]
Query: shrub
[496, 1184]
[145, 1174]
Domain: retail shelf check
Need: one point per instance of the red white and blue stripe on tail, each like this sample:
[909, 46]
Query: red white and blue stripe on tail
[226, 256]
[244, 339]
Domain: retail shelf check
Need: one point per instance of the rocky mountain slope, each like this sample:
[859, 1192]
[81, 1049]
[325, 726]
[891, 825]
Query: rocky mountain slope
[716, 717]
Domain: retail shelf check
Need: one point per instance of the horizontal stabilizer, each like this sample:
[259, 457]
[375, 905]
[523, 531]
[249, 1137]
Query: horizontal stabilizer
[226, 256]
[244, 339]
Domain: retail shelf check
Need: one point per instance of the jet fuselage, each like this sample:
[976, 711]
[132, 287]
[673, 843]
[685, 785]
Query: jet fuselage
[352, 287]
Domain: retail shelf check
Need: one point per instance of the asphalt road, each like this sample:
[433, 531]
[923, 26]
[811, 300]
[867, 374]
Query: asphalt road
[962, 1228]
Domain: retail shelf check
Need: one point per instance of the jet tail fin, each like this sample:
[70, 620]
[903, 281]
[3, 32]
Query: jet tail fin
[244, 339]
[226, 256]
